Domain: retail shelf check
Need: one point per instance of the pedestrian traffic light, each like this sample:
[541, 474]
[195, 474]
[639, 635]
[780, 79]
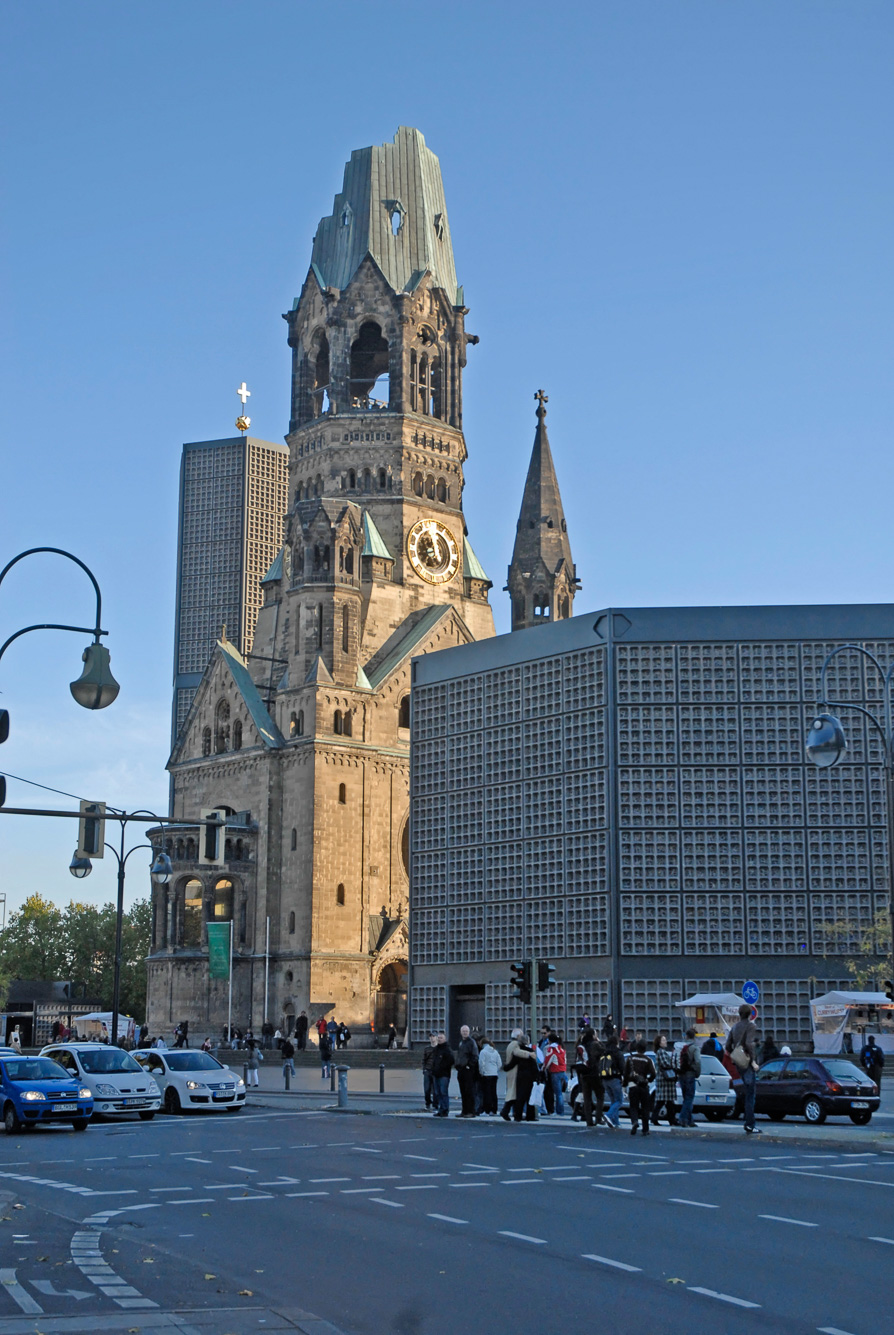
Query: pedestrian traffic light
[4, 733]
[91, 830]
[520, 979]
[545, 979]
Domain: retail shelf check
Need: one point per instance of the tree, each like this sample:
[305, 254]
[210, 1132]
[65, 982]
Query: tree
[31, 944]
[863, 946]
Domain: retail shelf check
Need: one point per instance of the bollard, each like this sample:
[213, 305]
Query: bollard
[245, 1075]
[332, 1078]
[285, 1072]
[382, 1078]
[342, 1085]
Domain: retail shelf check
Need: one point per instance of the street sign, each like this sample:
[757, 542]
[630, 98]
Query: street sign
[751, 993]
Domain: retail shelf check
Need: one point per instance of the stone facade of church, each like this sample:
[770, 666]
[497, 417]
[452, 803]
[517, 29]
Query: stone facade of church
[305, 745]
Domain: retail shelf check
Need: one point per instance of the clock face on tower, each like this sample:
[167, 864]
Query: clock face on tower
[433, 552]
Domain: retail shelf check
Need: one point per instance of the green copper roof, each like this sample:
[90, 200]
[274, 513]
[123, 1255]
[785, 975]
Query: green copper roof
[269, 733]
[391, 207]
[274, 574]
[402, 643]
[472, 568]
[373, 542]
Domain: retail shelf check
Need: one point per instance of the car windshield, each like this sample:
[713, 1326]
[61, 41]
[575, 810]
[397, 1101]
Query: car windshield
[712, 1065]
[102, 1061]
[35, 1068]
[844, 1070]
[192, 1061]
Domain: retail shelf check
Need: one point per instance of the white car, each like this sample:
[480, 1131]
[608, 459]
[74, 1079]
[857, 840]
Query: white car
[118, 1083]
[190, 1078]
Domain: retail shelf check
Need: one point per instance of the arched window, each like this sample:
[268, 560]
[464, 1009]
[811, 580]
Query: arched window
[320, 355]
[434, 389]
[337, 724]
[243, 916]
[339, 894]
[383, 479]
[293, 726]
[292, 923]
[342, 794]
[238, 850]
[300, 728]
[347, 723]
[191, 850]
[298, 631]
[442, 490]
[299, 492]
[352, 480]
[369, 366]
[206, 741]
[345, 629]
[341, 559]
[181, 850]
[430, 488]
[367, 480]
[192, 914]
[422, 385]
[349, 561]
[414, 391]
[403, 712]
[294, 839]
[237, 735]
[228, 850]
[222, 910]
[222, 727]
[319, 625]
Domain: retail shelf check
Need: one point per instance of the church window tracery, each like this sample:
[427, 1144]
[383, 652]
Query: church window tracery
[430, 488]
[237, 735]
[418, 484]
[222, 727]
[206, 741]
[369, 364]
[442, 490]
[188, 932]
[403, 712]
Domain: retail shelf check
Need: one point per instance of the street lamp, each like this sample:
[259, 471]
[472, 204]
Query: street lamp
[827, 745]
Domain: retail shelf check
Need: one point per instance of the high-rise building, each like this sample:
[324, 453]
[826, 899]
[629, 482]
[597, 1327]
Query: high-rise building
[307, 743]
[233, 496]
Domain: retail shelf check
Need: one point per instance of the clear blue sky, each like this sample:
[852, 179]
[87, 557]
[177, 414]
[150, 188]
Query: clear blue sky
[676, 218]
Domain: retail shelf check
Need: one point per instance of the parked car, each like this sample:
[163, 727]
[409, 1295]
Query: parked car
[714, 1093]
[191, 1078]
[815, 1087]
[34, 1090]
[118, 1083]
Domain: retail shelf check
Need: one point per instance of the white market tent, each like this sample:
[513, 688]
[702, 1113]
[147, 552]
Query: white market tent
[710, 1012]
[859, 1014]
[98, 1026]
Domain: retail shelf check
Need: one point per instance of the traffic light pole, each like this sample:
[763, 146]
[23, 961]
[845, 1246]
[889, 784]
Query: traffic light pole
[534, 1017]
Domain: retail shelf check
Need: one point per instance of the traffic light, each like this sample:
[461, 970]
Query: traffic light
[545, 978]
[91, 830]
[212, 837]
[889, 988]
[4, 733]
[521, 980]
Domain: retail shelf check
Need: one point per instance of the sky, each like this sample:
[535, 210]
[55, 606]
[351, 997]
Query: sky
[675, 218]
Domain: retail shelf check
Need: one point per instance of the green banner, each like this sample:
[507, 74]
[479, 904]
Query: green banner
[219, 949]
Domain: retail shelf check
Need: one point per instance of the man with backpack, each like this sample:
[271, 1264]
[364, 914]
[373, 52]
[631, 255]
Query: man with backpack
[690, 1068]
[872, 1059]
[639, 1072]
[288, 1058]
[611, 1069]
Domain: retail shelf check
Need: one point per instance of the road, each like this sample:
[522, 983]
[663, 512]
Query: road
[400, 1223]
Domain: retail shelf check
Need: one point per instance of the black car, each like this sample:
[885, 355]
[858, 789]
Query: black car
[815, 1087]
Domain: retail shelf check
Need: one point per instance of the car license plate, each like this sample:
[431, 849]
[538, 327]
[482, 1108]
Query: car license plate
[859, 1105]
[718, 1098]
[228, 1094]
[65, 1107]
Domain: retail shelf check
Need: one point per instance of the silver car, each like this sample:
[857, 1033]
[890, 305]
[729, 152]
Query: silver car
[118, 1083]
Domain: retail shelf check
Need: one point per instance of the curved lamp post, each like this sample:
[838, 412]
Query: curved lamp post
[827, 744]
[161, 872]
[95, 688]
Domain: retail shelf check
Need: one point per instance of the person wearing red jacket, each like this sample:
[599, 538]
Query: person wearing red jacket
[555, 1064]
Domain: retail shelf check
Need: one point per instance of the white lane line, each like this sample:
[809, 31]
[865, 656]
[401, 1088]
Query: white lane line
[329, 1179]
[604, 1260]
[429, 1175]
[280, 1182]
[476, 1172]
[307, 1193]
[448, 1219]
[457, 1186]
[527, 1170]
[689, 1161]
[380, 1200]
[358, 1191]
[582, 1177]
[264, 1196]
[107, 1158]
[19, 1295]
[832, 1330]
[678, 1200]
[426, 1158]
[520, 1181]
[522, 1237]
[723, 1297]
[234, 1167]
[626, 1191]
[191, 1159]
[610, 1177]
[479, 1167]
[428, 1186]
[361, 1149]
[712, 1170]
[837, 1177]
[623, 1154]
[890, 1241]
[195, 1200]
[666, 1172]
[160, 1189]
[146, 1156]
[381, 1177]
[782, 1219]
[559, 1168]
[741, 1158]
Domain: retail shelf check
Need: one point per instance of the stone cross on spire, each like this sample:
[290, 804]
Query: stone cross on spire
[542, 401]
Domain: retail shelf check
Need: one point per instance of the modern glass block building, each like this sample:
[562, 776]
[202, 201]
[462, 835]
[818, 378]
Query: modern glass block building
[626, 794]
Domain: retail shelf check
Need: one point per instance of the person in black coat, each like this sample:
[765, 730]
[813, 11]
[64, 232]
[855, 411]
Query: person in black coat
[441, 1065]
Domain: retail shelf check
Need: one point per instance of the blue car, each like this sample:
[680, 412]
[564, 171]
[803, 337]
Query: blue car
[35, 1089]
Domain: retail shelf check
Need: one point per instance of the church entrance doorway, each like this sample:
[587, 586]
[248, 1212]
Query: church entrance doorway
[391, 998]
[466, 1007]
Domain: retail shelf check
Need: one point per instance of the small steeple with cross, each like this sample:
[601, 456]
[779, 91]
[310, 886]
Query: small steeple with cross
[542, 401]
[242, 421]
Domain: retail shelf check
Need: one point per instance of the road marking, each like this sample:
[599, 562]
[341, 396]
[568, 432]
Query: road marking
[522, 1237]
[832, 1330]
[558, 1168]
[107, 1158]
[427, 1158]
[481, 1167]
[666, 1172]
[356, 1191]
[458, 1185]
[627, 1191]
[581, 1178]
[381, 1177]
[693, 1161]
[678, 1200]
[604, 1260]
[19, 1295]
[191, 1159]
[429, 1186]
[361, 1149]
[723, 1297]
[329, 1179]
[264, 1149]
[159, 1189]
[195, 1200]
[395, 1205]
[741, 1158]
[150, 1156]
[234, 1167]
[264, 1196]
[429, 1175]
[890, 1241]
[476, 1172]
[830, 1177]
[520, 1181]
[781, 1219]
[713, 1170]
[610, 1177]
[448, 1219]
[280, 1182]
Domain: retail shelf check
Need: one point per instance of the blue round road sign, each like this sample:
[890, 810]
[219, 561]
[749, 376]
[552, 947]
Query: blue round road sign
[751, 993]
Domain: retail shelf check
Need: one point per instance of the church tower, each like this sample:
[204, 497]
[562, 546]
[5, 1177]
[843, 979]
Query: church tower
[542, 576]
[376, 568]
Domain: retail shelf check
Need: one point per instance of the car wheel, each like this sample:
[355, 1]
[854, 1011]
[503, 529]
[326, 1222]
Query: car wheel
[814, 1112]
[862, 1117]
[11, 1120]
[146, 1116]
[172, 1101]
[776, 1116]
[80, 1123]
[237, 1109]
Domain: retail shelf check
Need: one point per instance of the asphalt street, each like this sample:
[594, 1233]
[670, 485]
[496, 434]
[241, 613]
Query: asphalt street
[400, 1223]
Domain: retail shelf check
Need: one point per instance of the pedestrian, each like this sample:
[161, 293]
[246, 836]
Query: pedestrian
[741, 1044]
[332, 1031]
[612, 1075]
[665, 1082]
[301, 1031]
[490, 1063]
[15, 1041]
[872, 1059]
[206, 1046]
[467, 1070]
[325, 1053]
[608, 1029]
[441, 1066]
[392, 1037]
[428, 1080]
[345, 1035]
[277, 1039]
[253, 1061]
[178, 1037]
[160, 1042]
[287, 1048]
[767, 1050]
[321, 1026]
[555, 1066]
[594, 1089]
[520, 1066]
[340, 1035]
[639, 1072]
[712, 1046]
[583, 1023]
[689, 1065]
